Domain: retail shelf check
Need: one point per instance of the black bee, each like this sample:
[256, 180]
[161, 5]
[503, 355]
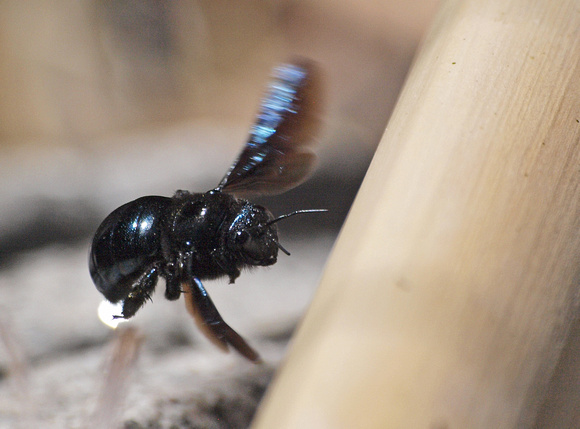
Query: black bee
[197, 236]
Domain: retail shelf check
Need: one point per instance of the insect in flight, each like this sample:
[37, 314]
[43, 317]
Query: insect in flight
[192, 237]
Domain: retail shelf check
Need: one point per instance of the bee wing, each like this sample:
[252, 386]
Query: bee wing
[276, 157]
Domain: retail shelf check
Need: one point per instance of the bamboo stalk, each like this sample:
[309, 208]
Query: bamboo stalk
[454, 282]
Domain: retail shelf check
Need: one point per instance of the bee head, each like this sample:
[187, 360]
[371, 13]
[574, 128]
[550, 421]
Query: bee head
[253, 235]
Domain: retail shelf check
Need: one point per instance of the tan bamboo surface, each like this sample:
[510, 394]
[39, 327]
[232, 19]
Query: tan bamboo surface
[452, 288]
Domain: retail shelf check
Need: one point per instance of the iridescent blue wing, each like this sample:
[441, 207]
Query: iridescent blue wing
[276, 157]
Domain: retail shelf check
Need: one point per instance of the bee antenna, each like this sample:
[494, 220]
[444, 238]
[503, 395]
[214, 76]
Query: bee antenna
[287, 215]
[282, 248]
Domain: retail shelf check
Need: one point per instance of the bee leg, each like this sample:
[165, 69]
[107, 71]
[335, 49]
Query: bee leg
[172, 283]
[144, 287]
[227, 267]
[208, 319]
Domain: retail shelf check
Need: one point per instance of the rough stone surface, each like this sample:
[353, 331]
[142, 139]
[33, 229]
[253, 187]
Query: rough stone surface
[179, 380]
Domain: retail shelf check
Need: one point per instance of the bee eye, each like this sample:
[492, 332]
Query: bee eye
[242, 237]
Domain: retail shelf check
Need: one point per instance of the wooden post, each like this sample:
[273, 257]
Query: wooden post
[452, 287]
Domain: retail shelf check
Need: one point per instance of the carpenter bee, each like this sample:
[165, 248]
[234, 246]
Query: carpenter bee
[192, 237]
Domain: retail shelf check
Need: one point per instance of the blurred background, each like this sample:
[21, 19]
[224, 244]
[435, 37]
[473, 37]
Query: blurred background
[106, 101]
